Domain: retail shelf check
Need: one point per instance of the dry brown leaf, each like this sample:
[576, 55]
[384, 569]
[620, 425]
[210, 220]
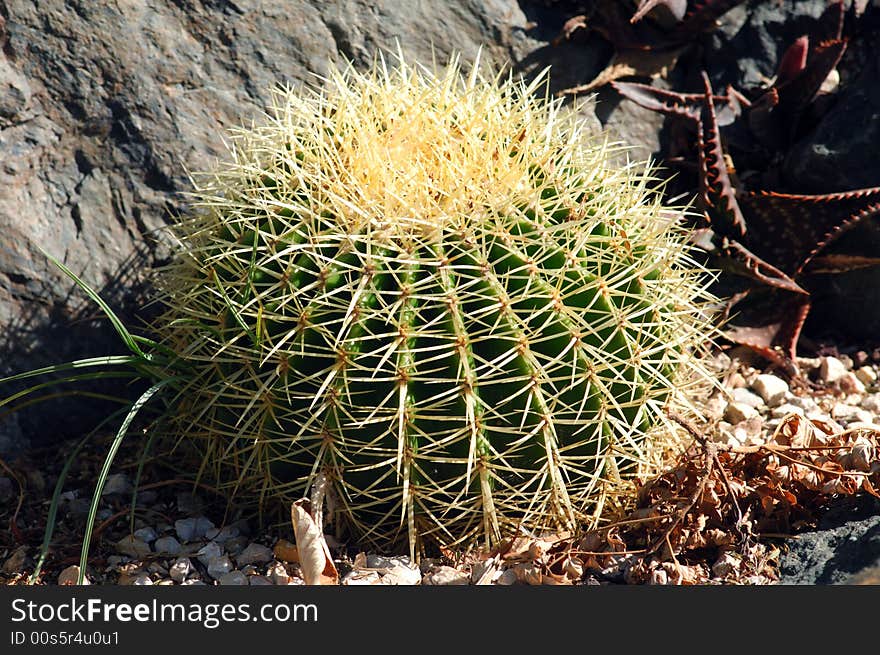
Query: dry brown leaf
[629, 63]
[315, 559]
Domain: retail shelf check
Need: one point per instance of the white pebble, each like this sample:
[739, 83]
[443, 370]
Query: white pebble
[254, 554]
[117, 483]
[219, 566]
[223, 534]
[785, 409]
[69, 576]
[850, 383]
[192, 529]
[446, 576]
[147, 534]
[871, 402]
[233, 578]
[133, 547]
[771, 388]
[403, 576]
[831, 370]
[167, 546]
[746, 397]
[209, 551]
[738, 412]
[180, 569]
[866, 375]
[850, 413]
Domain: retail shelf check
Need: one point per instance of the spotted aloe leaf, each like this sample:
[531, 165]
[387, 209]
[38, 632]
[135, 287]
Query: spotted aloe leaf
[717, 193]
[681, 105]
[791, 229]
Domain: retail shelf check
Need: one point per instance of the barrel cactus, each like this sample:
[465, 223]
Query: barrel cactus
[435, 291]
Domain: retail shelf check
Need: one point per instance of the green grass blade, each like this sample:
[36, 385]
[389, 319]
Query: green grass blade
[105, 470]
[56, 495]
[130, 341]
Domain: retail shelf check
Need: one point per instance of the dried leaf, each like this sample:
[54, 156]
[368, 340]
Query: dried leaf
[314, 554]
[628, 63]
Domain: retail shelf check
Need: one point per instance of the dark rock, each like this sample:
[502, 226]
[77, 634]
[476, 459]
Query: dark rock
[102, 114]
[846, 545]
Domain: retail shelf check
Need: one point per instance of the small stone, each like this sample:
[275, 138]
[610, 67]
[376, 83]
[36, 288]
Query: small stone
[403, 576]
[850, 383]
[116, 483]
[278, 574]
[209, 551]
[192, 583]
[506, 578]
[746, 397]
[222, 535]
[785, 409]
[286, 551]
[804, 402]
[738, 412]
[771, 388]
[15, 562]
[871, 402]
[104, 514]
[361, 577]
[219, 566]
[850, 413]
[69, 576]
[726, 564]
[142, 580]
[447, 576]
[236, 545]
[658, 577]
[147, 534]
[254, 554]
[164, 582]
[181, 569]
[807, 364]
[133, 547]
[379, 562]
[167, 546]
[831, 370]
[233, 578]
[259, 581]
[483, 571]
[715, 407]
[529, 573]
[192, 529]
[736, 381]
[866, 375]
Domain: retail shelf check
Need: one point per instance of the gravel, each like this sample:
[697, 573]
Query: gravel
[192, 529]
[167, 546]
[254, 554]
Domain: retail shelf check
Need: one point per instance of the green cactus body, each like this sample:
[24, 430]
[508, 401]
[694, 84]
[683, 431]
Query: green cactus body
[436, 292]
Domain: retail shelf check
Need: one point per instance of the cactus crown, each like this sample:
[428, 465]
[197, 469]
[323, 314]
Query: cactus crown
[436, 291]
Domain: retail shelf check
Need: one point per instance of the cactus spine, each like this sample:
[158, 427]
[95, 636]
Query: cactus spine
[436, 291]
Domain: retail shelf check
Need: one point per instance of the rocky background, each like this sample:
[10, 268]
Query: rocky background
[106, 105]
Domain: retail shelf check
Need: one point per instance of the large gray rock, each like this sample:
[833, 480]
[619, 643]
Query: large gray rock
[105, 107]
[845, 546]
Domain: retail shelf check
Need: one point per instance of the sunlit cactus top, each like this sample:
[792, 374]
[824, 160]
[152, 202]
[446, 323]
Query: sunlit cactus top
[436, 290]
